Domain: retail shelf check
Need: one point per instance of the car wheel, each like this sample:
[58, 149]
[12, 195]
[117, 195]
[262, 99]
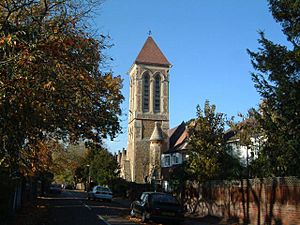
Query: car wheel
[144, 217]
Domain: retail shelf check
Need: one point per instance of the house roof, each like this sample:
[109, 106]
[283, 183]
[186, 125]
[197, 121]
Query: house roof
[182, 138]
[229, 135]
[151, 54]
[178, 138]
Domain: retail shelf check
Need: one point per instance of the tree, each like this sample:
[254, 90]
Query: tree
[66, 162]
[210, 156]
[104, 167]
[250, 135]
[51, 83]
[277, 79]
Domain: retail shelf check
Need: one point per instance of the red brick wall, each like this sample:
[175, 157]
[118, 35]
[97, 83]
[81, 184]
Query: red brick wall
[263, 201]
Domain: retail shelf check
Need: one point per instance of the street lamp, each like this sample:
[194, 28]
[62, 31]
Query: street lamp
[89, 176]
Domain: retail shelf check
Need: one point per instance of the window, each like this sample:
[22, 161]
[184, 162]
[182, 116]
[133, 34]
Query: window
[161, 198]
[157, 93]
[167, 160]
[146, 92]
[175, 159]
[143, 197]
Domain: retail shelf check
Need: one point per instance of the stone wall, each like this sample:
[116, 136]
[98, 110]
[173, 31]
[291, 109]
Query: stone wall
[259, 201]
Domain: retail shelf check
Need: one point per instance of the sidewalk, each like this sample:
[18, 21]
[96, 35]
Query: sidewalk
[189, 218]
[30, 214]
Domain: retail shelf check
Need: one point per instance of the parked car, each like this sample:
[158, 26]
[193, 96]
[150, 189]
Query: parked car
[55, 189]
[69, 186]
[159, 207]
[100, 192]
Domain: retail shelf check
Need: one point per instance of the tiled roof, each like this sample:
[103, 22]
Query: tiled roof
[182, 138]
[151, 54]
[175, 134]
[172, 130]
[229, 134]
[178, 137]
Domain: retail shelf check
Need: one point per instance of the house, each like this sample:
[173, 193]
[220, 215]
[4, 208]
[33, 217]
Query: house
[179, 150]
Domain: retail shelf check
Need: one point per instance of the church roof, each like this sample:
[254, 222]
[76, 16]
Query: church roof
[157, 134]
[151, 54]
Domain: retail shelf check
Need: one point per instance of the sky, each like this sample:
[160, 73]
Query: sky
[205, 41]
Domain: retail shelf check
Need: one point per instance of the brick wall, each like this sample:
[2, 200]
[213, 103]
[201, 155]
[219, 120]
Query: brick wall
[259, 201]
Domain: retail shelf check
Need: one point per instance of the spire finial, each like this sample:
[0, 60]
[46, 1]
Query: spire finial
[149, 32]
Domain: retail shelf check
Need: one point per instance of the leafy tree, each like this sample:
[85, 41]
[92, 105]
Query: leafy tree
[66, 162]
[51, 83]
[104, 168]
[82, 174]
[210, 156]
[277, 80]
[38, 158]
[251, 136]
[178, 177]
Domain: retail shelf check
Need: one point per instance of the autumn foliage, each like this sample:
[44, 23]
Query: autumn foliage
[51, 83]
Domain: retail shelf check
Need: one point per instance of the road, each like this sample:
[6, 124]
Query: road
[72, 207]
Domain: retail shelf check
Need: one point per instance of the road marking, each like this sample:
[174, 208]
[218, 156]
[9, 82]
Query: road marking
[103, 220]
[89, 208]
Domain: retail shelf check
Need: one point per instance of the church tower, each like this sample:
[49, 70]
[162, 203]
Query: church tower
[148, 111]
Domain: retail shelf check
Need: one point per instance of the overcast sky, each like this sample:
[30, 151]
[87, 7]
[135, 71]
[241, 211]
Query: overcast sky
[205, 41]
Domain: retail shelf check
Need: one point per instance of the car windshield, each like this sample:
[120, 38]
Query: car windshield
[164, 198]
[104, 189]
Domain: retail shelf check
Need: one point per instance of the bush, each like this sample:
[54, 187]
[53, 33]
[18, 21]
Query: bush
[119, 187]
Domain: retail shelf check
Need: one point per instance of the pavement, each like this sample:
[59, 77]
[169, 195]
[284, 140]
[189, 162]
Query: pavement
[189, 218]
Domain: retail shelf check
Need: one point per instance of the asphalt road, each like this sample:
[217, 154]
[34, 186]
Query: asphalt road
[73, 208]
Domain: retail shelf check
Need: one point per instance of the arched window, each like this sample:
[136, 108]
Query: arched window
[157, 93]
[146, 84]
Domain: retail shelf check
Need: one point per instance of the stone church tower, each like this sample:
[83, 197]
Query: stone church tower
[148, 119]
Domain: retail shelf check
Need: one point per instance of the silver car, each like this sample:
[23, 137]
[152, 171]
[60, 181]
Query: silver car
[100, 192]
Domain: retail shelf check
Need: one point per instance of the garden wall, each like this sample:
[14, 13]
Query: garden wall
[258, 201]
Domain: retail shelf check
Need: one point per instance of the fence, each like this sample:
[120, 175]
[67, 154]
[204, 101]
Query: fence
[255, 201]
[15, 192]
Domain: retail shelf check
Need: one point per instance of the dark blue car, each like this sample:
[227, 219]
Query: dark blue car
[159, 207]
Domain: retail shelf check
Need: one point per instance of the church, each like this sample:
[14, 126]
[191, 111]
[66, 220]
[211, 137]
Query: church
[154, 151]
[148, 117]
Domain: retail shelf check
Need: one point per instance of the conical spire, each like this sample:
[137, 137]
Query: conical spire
[151, 54]
[157, 134]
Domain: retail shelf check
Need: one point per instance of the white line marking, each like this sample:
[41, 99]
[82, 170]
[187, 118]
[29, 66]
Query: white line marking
[103, 220]
[89, 208]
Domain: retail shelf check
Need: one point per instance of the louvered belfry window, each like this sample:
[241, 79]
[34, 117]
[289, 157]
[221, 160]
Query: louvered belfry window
[146, 84]
[157, 93]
